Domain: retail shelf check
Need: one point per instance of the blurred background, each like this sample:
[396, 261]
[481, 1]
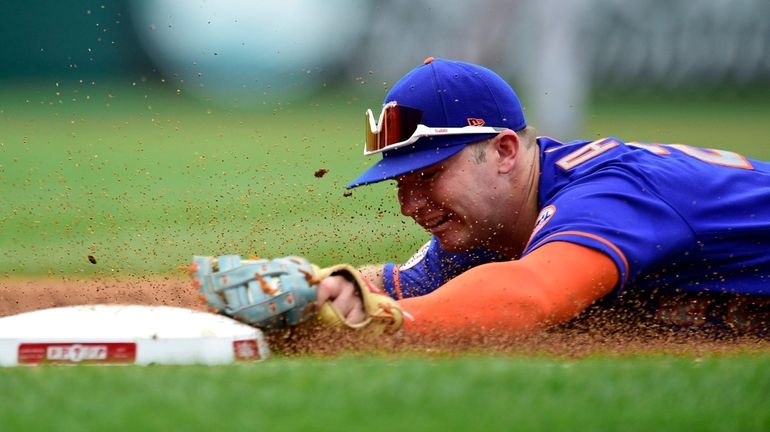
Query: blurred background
[161, 128]
[245, 55]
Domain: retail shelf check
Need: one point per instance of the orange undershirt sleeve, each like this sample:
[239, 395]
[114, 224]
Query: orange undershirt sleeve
[551, 285]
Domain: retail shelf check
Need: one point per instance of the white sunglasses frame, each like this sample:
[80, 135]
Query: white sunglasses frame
[422, 131]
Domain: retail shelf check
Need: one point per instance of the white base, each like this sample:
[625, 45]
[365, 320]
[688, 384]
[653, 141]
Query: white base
[126, 334]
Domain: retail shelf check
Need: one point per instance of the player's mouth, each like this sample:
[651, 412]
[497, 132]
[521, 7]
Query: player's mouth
[435, 224]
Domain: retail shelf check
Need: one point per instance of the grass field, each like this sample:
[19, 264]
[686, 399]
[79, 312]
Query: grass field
[141, 178]
[476, 393]
[140, 183]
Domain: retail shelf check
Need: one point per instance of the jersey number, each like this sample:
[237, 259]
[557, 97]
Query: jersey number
[712, 156]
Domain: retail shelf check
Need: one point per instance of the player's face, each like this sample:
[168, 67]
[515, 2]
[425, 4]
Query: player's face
[452, 200]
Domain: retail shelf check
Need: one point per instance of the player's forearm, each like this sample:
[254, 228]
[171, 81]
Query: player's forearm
[550, 286]
[484, 299]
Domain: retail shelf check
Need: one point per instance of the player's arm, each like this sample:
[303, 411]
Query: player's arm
[429, 268]
[550, 285]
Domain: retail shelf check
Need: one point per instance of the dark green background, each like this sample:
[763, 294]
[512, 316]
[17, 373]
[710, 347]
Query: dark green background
[68, 40]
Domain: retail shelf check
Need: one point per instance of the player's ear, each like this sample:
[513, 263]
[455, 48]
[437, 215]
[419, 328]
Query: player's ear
[507, 145]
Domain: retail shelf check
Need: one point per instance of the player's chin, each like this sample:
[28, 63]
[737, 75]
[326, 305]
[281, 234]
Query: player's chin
[455, 241]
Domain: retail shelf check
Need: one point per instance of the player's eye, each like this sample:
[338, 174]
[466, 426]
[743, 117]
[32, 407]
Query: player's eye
[428, 175]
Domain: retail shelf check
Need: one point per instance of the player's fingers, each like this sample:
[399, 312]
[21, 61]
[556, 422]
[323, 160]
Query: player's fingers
[345, 302]
[356, 314]
[329, 289]
[344, 298]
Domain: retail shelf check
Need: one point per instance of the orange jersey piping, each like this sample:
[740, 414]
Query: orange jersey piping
[593, 237]
[397, 283]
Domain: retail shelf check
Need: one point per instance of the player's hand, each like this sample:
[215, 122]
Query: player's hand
[343, 296]
[278, 293]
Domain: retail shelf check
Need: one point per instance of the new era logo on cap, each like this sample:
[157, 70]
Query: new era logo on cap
[475, 121]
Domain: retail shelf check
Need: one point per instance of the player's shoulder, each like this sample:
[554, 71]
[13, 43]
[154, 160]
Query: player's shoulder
[549, 145]
[552, 146]
[580, 155]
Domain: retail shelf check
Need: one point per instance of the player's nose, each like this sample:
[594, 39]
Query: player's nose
[410, 199]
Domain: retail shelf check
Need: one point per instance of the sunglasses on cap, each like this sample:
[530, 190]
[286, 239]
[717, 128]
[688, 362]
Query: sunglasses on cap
[399, 126]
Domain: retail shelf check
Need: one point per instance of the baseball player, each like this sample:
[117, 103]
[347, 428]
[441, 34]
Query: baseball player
[529, 232]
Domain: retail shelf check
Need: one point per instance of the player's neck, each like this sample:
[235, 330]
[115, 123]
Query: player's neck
[521, 210]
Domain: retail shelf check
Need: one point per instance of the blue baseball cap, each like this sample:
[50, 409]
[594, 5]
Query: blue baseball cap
[449, 94]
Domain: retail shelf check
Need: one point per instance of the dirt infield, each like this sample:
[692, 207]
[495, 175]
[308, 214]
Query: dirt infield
[25, 294]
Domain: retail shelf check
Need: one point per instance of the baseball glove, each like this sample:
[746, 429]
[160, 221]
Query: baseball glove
[280, 293]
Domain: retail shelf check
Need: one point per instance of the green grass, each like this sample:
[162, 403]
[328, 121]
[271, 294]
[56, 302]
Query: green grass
[142, 183]
[142, 178]
[727, 393]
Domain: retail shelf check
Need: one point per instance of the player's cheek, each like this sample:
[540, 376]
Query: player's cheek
[409, 199]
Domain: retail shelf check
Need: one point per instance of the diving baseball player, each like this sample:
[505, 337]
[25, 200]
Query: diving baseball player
[529, 232]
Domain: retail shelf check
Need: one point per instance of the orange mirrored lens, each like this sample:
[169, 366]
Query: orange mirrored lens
[398, 124]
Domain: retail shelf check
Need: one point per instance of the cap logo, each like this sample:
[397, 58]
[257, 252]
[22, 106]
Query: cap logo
[475, 121]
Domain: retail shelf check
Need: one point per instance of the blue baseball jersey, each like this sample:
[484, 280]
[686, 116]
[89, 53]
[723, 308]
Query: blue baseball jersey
[430, 268]
[674, 218]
